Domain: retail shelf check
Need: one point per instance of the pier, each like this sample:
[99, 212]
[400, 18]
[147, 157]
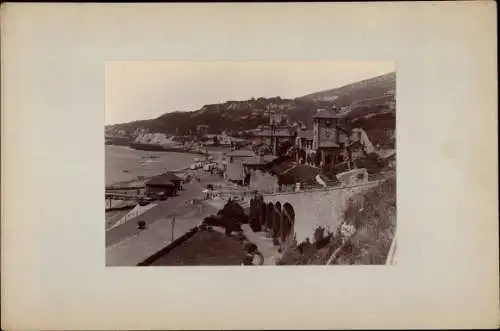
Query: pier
[118, 196]
[124, 188]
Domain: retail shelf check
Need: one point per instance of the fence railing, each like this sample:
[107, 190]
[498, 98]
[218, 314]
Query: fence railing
[312, 188]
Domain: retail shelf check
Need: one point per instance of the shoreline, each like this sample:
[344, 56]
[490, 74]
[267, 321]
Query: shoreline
[160, 148]
[140, 179]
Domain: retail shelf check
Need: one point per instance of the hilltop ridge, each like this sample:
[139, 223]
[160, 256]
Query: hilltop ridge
[370, 97]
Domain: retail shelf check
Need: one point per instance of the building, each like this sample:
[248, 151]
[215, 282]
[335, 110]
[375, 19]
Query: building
[278, 119]
[202, 129]
[277, 132]
[166, 183]
[304, 144]
[328, 139]
[224, 139]
[274, 136]
[234, 160]
[256, 112]
[258, 162]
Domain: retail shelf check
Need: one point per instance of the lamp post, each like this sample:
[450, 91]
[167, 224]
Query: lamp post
[172, 213]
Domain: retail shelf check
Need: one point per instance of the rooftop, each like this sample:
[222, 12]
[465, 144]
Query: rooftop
[204, 248]
[279, 132]
[234, 171]
[301, 173]
[241, 153]
[291, 173]
[307, 134]
[163, 179]
[260, 159]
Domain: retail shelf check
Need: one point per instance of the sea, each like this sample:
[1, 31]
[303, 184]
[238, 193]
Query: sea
[126, 164]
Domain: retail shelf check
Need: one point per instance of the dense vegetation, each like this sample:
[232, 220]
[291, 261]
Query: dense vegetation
[373, 214]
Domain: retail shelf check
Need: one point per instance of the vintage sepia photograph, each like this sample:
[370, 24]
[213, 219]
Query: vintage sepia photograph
[233, 137]
[250, 163]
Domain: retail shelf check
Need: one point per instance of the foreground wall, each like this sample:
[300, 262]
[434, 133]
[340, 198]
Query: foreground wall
[316, 208]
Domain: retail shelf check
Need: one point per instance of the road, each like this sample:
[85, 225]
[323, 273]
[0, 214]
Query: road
[191, 191]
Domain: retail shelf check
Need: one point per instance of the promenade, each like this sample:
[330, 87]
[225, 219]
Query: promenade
[164, 209]
[192, 190]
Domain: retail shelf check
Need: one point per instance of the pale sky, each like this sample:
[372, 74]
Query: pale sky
[144, 90]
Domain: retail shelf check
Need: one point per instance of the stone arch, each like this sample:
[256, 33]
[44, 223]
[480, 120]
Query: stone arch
[262, 211]
[288, 221]
[254, 213]
[277, 219]
[269, 215]
[253, 216]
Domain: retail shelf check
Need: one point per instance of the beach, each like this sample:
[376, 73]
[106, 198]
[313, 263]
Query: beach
[124, 164]
[129, 167]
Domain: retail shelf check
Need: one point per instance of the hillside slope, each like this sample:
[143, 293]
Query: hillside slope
[375, 87]
[374, 96]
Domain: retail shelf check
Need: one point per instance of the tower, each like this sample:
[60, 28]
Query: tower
[326, 136]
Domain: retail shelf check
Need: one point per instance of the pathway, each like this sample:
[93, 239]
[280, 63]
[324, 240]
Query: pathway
[140, 245]
[264, 244]
[164, 209]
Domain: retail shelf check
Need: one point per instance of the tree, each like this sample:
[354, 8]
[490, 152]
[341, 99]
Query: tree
[371, 162]
[233, 210]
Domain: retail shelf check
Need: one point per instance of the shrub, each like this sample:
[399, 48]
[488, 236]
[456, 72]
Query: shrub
[233, 209]
[374, 216]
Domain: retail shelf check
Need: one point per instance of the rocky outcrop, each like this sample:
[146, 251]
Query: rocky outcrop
[142, 136]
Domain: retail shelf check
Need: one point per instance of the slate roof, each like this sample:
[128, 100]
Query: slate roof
[234, 171]
[240, 153]
[306, 134]
[165, 179]
[257, 159]
[277, 133]
[301, 173]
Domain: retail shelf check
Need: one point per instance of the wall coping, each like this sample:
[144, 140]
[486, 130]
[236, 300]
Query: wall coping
[322, 189]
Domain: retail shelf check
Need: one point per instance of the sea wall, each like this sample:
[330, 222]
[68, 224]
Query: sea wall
[319, 207]
[136, 211]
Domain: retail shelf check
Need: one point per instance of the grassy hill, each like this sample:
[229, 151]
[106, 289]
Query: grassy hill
[370, 97]
[367, 89]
